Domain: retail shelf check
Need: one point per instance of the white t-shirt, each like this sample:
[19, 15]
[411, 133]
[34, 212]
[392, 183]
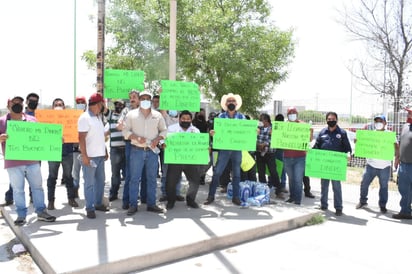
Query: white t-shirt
[95, 141]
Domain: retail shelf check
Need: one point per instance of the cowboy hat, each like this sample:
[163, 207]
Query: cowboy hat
[237, 98]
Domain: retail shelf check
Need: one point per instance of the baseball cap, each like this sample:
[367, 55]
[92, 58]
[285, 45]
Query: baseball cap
[292, 109]
[80, 99]
[145, 93]
[381, 116]
[96, 98]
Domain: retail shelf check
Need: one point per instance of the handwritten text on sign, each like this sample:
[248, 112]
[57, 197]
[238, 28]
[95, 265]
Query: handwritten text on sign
[235, 134]
[178, 95]
[68, 118]
[326, 164]
[289, 135]
[375, 144]
[187, 148]
[33, 141]
[118, 83]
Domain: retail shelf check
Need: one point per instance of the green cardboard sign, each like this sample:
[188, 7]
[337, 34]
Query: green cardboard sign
[187, 148]
[289, 135]
[375, 144]
[178, 95]
[118, 82]
[235, 134]
[326, 164]
[34, 141]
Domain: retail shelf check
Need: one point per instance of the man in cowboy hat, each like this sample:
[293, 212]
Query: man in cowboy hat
[230, 104]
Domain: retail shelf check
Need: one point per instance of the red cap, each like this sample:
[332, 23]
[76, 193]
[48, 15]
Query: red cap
[80, 99]
[291, 109]
[96, 98]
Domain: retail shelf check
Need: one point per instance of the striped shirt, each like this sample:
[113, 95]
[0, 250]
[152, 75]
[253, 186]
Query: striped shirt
[116, 136]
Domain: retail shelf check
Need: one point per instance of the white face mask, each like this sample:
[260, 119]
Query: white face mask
[379, 126]
[58, 108]
[146, 104]
[292, 117]
[260, 124]
[81, 106]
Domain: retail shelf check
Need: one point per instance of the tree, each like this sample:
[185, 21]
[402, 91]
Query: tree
[385, 28]
[222, 45]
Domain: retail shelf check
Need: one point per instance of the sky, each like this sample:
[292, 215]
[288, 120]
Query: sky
[37, 53]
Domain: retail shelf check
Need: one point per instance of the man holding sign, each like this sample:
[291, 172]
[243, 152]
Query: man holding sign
[377, 167]
[332, 138]
[18, 170]
[230, 103]
[174, 170]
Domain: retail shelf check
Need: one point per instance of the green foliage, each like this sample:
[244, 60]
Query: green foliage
[224, 46]
[316, 219]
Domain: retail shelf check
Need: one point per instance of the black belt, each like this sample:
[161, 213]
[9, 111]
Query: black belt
[142, 148]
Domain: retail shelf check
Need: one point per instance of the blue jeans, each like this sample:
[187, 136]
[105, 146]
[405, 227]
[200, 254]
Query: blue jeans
[17, 176]
[125, 198]
[222, 159]
[67, 165]
[405, 187]
[337, 193]
[148, 161]
[295, 169]
[76, 170]
[94, 178]
[163, 182]
[118, 163]
[368, 176]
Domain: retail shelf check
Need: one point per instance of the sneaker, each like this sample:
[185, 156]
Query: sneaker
[155, 209]
[383, 209]
[402, 216]
[73, 203]
[192, 204]
[91, 214]
[45, 217]
[236, 201]
[101, 208]
[131, 211]
[290, 200]
[20, 221]
[322, 208]
[309, 195]
[338, 212]
[163, 199]
[209, 200]
[180, 198]
[361, 205]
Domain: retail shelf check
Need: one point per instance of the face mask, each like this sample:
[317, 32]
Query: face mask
[146, 104]
[378, 126]
[118, 109]
[292, 117]
[17, 108]
[81, 106]
[184, 125]
[32, 104]
[331, 123]
[172, 113]
[260, 124]
[58, 108]
[231, 107]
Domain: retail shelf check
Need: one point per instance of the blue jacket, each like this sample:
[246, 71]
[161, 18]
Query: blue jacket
[336, 140]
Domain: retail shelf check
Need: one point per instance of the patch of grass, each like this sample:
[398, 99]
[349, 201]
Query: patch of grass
[316, 219]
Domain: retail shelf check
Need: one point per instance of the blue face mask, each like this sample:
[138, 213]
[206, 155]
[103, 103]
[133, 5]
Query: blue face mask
[173, 113]
[146, 104]
[80, 106]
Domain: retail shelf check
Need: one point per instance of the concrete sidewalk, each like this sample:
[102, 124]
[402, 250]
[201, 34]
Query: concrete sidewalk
[117, 243]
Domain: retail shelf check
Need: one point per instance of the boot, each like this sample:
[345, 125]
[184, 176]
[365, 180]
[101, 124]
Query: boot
[73, 203]
[50, 205]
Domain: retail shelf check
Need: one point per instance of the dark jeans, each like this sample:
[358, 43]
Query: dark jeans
[67, 165]
[118, 163]
[174, 173]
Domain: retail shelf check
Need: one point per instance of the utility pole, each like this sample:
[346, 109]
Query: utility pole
[172, 40]
[101, 15]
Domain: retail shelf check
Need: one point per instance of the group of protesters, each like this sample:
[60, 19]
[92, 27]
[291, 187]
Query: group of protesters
[138, 139]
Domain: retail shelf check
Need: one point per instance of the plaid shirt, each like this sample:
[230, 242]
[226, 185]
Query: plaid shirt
[265, 136]
[237, 115]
